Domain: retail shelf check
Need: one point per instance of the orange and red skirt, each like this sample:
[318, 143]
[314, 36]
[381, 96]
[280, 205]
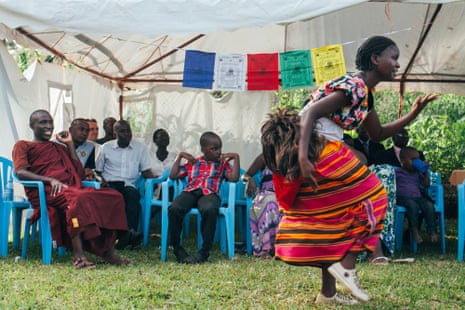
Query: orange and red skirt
[345, 213]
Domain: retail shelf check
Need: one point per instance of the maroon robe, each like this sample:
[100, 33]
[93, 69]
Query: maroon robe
[96, 214]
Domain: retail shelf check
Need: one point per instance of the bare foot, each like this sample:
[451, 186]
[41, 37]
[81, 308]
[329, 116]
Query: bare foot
[83, 263]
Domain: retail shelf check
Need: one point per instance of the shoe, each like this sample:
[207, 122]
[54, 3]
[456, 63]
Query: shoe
[130, 239]
[337, 298]
[197, 258]
[181, 255]
[123, 241]
[135, 239]
[348, 278]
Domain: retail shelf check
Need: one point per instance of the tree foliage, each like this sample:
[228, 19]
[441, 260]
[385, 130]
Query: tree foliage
[439, 131]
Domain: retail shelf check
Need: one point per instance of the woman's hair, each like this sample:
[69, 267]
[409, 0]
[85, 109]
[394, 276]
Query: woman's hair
[280, 143]
[372, 46]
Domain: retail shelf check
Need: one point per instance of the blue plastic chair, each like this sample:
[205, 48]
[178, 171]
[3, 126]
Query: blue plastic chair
[45, 232]
[9, 204]
[436, 192]
[165, 200]
[226, 216]
[243, 205]
[461, 220]
[149, 201]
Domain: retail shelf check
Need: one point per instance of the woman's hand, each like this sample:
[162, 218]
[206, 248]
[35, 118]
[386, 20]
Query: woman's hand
[420, 103]
[306, 169]
[251, 187]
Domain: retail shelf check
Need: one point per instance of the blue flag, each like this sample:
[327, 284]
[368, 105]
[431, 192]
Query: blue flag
[198, 69]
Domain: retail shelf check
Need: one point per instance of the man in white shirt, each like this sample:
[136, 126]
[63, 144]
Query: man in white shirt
[120, 163]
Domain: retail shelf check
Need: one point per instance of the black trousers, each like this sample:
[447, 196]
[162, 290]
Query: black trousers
[132, 203]
[208, 206]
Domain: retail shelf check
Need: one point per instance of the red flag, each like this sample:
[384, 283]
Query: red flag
[262, 71]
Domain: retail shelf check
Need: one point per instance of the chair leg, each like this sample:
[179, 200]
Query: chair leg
[399, 229]
[27, 229]
[248, 231]
[199, 232]
[230, 235]
[46, 241]
[146, 214]
[222, 232]
[17, 216]
[6, 211]
[443, 233]
[461, 237]
[164, 233]
[61, 251]
[461, 221]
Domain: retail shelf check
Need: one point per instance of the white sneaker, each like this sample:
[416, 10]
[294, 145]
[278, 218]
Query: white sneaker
[348, 278]
[337, 298]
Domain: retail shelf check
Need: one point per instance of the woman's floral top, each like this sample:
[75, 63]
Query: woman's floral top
[348, 117]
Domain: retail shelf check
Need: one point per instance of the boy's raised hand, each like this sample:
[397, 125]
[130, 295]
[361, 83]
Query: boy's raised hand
[229, 156]
[187, 156]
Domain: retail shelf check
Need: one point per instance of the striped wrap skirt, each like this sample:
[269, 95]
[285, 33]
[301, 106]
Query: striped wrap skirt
[344, 213]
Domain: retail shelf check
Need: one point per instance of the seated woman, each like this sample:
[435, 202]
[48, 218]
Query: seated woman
[162, 159]
[264, 215]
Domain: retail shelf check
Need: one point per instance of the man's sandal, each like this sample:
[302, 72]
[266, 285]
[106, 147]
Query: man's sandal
[83, 263]
[380, 260]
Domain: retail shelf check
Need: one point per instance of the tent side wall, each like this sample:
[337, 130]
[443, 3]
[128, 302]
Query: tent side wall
[92, 97]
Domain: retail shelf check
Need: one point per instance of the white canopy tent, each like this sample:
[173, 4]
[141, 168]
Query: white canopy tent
[140, 45]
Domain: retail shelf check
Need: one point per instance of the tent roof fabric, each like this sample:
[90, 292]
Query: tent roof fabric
[136, 43]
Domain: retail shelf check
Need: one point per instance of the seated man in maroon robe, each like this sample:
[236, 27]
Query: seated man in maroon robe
[80, 218]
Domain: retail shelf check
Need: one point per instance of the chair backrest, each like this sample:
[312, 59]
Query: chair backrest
[6, 186]
[146, 188]
[435, 178]
[224, 193]
[241, 196]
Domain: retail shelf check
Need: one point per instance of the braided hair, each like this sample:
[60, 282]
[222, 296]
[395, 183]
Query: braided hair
[372, 46]
[280, 143]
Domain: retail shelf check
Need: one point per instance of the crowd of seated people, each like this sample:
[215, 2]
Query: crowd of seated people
[117, 161]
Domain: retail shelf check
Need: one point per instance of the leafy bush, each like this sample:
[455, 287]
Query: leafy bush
[439, 131]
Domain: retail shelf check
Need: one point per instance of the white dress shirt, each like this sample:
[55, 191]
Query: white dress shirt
[123, 164]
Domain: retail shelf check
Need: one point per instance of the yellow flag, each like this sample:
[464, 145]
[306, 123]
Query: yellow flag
[328, 63]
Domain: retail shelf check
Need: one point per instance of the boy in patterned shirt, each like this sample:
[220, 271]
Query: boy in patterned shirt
[204, 177]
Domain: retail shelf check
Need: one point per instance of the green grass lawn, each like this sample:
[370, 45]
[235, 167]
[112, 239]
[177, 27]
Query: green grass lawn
[434, 281]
